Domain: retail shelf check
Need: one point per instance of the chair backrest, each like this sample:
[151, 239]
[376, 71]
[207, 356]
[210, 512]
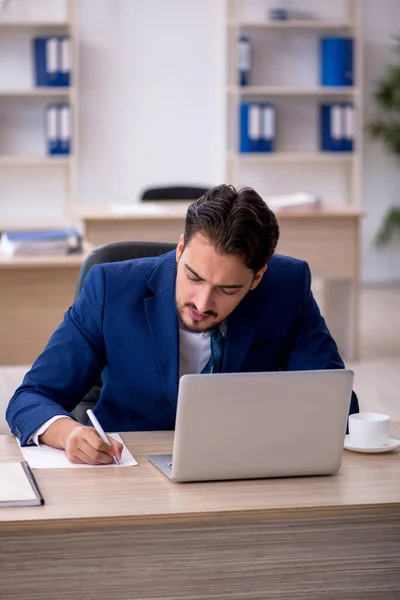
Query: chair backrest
[113, 252]
[176, 192]
[117, 251]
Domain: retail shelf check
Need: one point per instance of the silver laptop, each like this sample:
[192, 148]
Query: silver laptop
[255, 425]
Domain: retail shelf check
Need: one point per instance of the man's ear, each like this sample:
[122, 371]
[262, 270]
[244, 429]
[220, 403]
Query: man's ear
[180, 247]
[257, 277]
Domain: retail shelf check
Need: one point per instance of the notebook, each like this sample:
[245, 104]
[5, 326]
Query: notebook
[18, 486]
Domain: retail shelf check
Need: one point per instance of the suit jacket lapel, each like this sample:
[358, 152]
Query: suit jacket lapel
[162, 321]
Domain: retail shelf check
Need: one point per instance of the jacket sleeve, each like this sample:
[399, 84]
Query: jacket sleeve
[311, 345]
[71, 361]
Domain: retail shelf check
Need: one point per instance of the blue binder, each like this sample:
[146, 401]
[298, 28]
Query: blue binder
[58, 129]
[46, 61]
[250, 127]
[337, 127]
[244, 58]
[348, 127]
[64, 66]
[266, 142]
[65, 128]
[336, 61]
[51, 129]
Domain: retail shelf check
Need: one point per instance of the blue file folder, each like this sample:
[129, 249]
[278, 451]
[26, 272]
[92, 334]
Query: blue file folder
[58, 129]
[52, 61]
[250, 126]
[51, 129]
[266, 141]
[65, 128]
[336, 61]
[64, 67]
[257, 127]
[337, 127]
[244, 59]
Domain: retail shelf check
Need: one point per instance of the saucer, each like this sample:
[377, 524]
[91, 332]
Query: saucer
[391, 444]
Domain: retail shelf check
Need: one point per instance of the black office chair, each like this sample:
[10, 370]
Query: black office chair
[113, 252]
[174, 192]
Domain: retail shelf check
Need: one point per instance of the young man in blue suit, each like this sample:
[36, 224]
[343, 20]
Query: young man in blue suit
[222, 302]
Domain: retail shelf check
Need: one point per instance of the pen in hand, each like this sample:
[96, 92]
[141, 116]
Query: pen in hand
[100, 431]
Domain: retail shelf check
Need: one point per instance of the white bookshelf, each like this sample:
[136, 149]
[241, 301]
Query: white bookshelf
[293, 157]
[34, 161]
[37, 92]
[314, 91]
[286, 68]
[31, 181]
[311, 25]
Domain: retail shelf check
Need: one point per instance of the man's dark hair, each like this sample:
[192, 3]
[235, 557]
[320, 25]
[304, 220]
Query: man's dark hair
[235, 222]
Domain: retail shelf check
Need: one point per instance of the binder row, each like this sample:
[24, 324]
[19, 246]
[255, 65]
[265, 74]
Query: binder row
[52, 61]
[258, 127]
[336, 61]
[58, 129]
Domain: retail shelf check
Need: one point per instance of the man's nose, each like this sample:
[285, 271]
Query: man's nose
[204, 300]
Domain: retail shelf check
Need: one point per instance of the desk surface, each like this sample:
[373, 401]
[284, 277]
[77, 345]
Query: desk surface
[177, 210]
[365, 484]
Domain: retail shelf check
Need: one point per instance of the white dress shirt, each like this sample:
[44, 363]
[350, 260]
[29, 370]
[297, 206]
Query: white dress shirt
[194, 354]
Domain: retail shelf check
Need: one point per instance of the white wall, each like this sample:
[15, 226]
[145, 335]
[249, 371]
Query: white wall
[152, 104]
[381, 171]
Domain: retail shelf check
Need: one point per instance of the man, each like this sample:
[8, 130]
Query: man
[220, 302]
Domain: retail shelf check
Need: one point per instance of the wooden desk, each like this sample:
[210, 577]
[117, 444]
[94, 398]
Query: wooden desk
[131, 533]
[328, 239]
[35, 293]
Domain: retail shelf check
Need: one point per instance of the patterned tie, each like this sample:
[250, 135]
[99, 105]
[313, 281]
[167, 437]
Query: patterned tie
[217, 343]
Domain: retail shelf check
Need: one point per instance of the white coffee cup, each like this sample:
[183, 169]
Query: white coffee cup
[369, 430]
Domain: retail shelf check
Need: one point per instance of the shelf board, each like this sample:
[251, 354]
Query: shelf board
[268, 90]
[37, 92]
[292, 157]
[22, 25]
[32, 161]
[312, 25]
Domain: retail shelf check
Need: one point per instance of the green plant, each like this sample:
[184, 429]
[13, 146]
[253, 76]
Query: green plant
[387, 129]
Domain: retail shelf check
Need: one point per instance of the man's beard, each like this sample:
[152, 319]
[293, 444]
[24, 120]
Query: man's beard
[195, 328]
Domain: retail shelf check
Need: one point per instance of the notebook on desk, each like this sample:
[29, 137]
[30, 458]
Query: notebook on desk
[18, 486]
[255, 425]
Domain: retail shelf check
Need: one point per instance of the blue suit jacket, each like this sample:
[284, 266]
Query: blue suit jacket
[124, 324]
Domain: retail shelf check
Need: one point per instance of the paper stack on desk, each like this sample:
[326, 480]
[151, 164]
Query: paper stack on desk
[43, 242]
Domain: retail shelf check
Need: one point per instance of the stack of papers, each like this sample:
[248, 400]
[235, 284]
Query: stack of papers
[40, 242]
[299, 200]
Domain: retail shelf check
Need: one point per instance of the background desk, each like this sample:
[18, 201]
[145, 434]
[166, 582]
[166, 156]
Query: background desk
[328, 239]
[35, 293]
[131, 533]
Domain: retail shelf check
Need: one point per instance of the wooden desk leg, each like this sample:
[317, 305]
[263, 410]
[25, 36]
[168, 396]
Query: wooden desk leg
[340, 307]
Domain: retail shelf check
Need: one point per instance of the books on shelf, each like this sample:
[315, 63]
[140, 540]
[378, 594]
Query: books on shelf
[40, 242]
[52, 61]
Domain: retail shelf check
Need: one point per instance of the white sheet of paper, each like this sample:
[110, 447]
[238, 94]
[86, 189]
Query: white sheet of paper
[46, 457]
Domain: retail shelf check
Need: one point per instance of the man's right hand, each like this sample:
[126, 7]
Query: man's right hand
[81, 443]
